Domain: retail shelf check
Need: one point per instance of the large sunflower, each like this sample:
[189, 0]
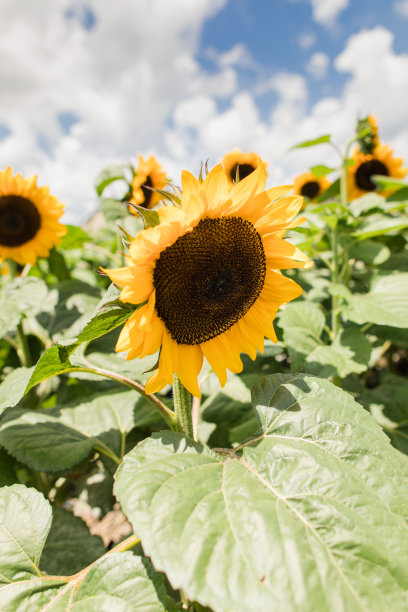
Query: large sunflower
[240, 165]
[29, 215]
[210, 276]
[309, 186]
[381, 161]
[149, 175]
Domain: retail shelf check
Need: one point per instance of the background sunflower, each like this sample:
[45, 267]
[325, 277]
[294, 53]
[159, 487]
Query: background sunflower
[29, 215]
[381, 161]
[240, 165]
[210, 276]
[310, 186]
[149, 175]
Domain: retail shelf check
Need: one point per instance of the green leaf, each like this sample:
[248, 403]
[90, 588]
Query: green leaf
[13, 387]
[52, 362]
[109, 175]
[388, 182]
[311, 143]
[59, 438]
[150, 217]
[74, 238]
[350, 352]
[365, 203]
[331, 192]
[69, 546]
[117, 581]
[121, 581]
[10, 317]
[320, 489]
[25, 520]
[371, 252]
[385, 304]
[302, 324]
[27, 295]
[321, 170]
[7, 473]
[378, 225]
[113, 210]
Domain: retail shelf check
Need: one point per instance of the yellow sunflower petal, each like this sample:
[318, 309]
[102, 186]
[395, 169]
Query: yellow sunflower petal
[190, 362]
[213, 352]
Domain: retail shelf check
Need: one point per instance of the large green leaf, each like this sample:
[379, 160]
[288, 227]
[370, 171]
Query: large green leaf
[302, 324]
[385, 304]
[13, 387]
[59, 438]
[123, 582]
[25, 520]
[350, 352]
[306, 516]
[379, 224]
[117, 581]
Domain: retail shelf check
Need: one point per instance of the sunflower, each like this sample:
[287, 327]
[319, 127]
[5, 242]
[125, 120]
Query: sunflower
[209, 275]
[29, 215]
[381, 161]
[239, 165]
[309, 186]
[149, 175]
[368, 127]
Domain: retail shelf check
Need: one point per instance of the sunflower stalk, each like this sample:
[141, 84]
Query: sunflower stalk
[23, 350]
[183, 408]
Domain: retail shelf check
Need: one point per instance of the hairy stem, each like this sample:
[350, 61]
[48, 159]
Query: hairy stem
[165, 412]
[182, 408]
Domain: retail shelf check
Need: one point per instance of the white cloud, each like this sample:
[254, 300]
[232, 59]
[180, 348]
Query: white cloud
[401, 8]
[307, 40]
[318, 65]
[121, 78]
[238, 56]
[325, 12]
[135, 85]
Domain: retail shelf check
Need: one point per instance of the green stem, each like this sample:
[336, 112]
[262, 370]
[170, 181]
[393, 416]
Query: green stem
[101, 448]
[182, 408]
[335, 279]
[167, 414]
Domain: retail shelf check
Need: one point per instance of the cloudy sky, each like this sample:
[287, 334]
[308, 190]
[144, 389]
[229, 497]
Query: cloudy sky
[87, 83]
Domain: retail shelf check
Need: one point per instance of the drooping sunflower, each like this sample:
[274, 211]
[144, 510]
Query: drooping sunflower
[29, 215]
[149, 175]
[309, 186]
[240, 165]
[210, 276]
[367, 128]
[381, 161]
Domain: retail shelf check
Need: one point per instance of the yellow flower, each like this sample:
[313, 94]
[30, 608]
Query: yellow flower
[309, 186]
[29, 215]
[210, 276]
[149, 174]
[381, 161]
[240, 165]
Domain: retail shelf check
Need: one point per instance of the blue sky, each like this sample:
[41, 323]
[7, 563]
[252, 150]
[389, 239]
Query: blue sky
[84, 86]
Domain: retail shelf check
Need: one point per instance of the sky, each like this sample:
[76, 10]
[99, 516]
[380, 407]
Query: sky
[88, 83]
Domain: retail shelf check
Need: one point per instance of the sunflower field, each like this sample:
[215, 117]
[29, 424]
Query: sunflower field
[204, 392]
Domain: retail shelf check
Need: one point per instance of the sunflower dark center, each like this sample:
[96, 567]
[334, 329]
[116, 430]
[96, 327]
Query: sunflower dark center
[241, 170]
[209, 278]
[310, 189]
[366, 170]
[19, 220]
[147, 192]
